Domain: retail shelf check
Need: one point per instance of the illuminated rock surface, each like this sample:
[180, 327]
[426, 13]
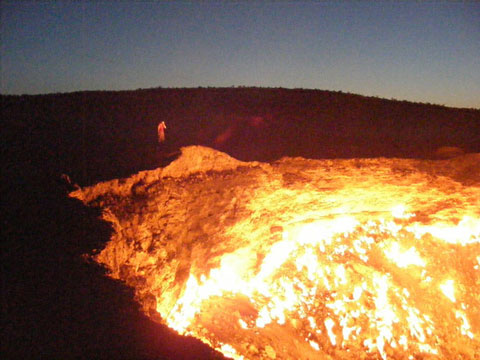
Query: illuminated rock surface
[303, 259]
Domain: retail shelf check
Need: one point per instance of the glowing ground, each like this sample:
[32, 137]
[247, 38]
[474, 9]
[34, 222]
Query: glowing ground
[303, 259]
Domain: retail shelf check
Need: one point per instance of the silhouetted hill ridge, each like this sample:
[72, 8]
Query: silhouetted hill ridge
[98, 135]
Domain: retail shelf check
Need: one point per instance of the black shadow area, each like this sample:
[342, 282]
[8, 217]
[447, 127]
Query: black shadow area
[55, 303]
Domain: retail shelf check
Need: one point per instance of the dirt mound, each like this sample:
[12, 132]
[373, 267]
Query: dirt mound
[200, 159]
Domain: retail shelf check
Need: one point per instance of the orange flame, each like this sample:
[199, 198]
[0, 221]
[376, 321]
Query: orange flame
[345, 280]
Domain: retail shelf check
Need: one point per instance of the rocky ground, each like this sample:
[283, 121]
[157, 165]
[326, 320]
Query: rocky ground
[56, 304]
[171, 223]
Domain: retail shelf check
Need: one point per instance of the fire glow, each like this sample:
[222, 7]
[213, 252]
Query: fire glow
[321, 278]
[303, 259]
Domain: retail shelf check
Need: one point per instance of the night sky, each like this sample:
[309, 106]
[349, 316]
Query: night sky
[417, 51]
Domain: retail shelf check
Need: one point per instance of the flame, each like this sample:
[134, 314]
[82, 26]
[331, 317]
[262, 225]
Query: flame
[399, 212]
[466, 232]
[403, 258]
[362, 286]
[448, 290]
[302, 258]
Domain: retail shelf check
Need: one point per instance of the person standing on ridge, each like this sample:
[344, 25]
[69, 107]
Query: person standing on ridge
[161, 132]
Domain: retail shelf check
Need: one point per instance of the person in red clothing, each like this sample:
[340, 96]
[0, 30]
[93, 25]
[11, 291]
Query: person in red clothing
[161, 131]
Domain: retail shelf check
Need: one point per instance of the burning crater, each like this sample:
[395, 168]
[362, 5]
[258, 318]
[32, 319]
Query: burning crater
[303, 259]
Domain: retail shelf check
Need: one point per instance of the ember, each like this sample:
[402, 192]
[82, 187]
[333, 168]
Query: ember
[373, 258]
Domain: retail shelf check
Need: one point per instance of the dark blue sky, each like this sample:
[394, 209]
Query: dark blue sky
[419, 51]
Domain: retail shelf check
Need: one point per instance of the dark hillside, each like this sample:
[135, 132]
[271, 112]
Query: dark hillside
[54, 304]
[101, 135]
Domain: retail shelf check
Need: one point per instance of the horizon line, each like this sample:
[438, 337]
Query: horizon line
[241, 87]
